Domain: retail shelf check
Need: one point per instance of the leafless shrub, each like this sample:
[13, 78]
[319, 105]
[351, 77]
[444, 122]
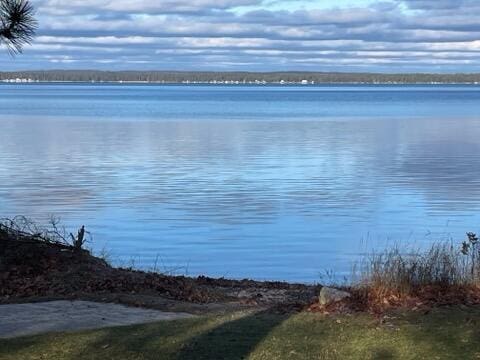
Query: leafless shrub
[23, 227]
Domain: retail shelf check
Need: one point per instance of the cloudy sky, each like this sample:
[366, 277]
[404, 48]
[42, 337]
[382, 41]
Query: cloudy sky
[255, 35]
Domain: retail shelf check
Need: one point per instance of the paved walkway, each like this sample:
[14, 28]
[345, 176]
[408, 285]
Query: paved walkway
[35, 318]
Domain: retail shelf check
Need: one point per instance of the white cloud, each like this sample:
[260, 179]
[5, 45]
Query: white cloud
[187, 34]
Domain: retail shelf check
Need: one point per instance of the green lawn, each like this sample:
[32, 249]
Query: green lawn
[446, 333]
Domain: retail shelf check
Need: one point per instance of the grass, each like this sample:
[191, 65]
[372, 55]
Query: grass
[443, 333]
[444, 273]
[400, 270]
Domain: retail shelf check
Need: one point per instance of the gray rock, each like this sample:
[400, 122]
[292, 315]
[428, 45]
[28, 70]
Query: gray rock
[330, 295]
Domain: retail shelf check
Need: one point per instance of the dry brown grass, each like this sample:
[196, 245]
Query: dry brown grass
[443, 274]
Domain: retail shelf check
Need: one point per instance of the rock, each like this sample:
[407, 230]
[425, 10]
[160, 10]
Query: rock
[330, 295]
[243, 294]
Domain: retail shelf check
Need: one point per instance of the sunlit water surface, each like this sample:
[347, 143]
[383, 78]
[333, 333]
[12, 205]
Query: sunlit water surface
[260, 182]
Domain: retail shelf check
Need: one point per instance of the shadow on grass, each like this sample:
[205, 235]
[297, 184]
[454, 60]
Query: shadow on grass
[232, 336]
[148, 341]
[383, 354]
[10, 347]
[444, 334]
[232, 340]
[450, 331]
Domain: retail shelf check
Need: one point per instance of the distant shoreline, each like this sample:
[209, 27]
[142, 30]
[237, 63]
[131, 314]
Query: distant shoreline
[219, 83]
[236, 78]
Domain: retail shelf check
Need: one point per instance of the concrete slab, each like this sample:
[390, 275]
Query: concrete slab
[35, 318]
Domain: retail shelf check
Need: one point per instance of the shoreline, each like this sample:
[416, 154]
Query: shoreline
[229, 83]
[242, 77]
[41, 266]
[35, 269]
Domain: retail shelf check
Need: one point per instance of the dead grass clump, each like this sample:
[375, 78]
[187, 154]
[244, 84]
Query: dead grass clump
[444, 274]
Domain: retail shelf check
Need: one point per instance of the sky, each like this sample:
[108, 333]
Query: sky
[254, 35]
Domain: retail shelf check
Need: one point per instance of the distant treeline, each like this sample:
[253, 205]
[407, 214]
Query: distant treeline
[247, 77]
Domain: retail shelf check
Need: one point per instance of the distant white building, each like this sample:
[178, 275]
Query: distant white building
[18, 80]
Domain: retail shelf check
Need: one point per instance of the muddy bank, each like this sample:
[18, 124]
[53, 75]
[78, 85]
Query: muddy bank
[35, 269]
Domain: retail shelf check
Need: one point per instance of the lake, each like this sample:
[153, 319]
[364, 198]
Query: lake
[265, 182]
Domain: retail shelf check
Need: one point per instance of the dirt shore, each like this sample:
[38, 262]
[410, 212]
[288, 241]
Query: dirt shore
[32, 269]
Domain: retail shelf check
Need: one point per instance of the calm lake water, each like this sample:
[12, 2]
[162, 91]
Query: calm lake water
[237, 181]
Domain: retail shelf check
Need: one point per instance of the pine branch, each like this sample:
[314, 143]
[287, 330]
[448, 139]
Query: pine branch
[17, 24]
